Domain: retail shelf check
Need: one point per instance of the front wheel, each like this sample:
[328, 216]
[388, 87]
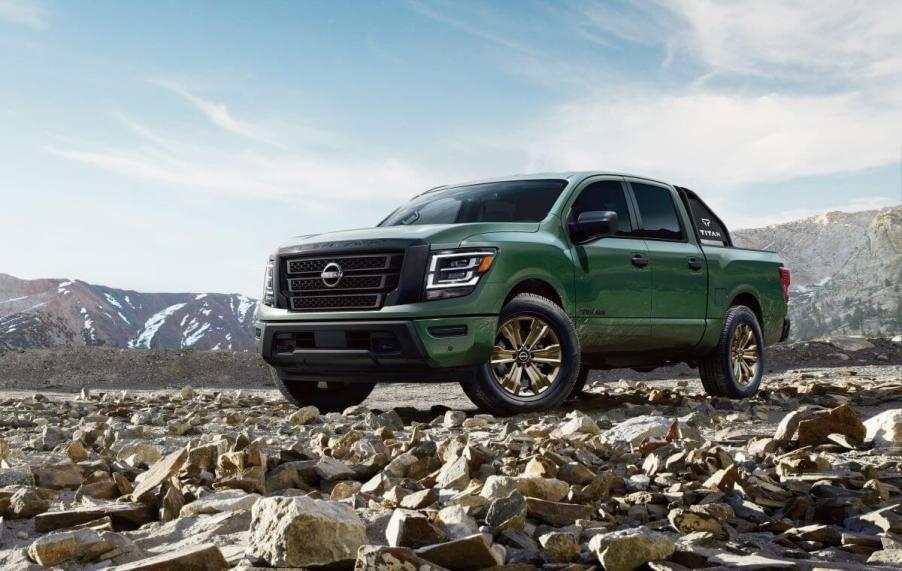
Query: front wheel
[734, 369]
[535, 360]
[326, 396]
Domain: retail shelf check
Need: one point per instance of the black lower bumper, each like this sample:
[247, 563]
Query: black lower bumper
[368, 351]
[784, 334]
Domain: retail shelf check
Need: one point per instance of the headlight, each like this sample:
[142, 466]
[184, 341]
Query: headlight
[268, 297]
[455, 273]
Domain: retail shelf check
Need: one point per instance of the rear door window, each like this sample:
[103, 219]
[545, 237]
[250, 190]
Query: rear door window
[605, 195]
[657, 212]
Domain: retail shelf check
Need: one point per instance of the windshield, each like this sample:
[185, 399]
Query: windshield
[510, 201]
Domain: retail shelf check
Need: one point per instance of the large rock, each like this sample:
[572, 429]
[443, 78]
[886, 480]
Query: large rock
[58, 475]
[204, 557]
[16, 476]
[550, 489]
[849, 343]
[158, 473]
[454, 475]
[628, 549]
[408, 528]
[383, 558]
[560, 546]
[304, 415]
[332, 470]
[884, 429]
[457, 522]
[708, 518]
[579, 423]
[224, 501]
[27, 503]
[59, 547]
[507, 513]
[497, 487]
[787, 428]
[840, 420]
[557, 514]
[193, 530]
[301, 532]
[465, 554]
[124, 516]
[637, 429]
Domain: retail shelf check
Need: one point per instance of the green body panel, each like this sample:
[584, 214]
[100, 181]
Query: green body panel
[474, 347]
[733, 272]
[661, 313]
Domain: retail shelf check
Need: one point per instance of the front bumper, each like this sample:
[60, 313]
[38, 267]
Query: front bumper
[420, 350]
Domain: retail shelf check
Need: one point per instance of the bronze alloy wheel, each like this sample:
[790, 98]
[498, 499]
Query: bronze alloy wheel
[526, 359]
[744, 354]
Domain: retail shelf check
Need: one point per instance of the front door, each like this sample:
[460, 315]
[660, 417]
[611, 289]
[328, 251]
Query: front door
[678, 272]
[612, 277]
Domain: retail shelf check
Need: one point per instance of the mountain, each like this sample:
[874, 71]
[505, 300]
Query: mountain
[846, 279]
[52, 312]
[846, 271]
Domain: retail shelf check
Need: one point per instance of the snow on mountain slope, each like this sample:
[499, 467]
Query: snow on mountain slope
[846, 274]
[51, 312]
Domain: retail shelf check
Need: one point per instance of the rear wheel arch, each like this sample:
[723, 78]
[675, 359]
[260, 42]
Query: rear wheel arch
[751, 301]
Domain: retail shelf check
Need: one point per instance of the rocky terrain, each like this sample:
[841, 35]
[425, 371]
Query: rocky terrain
[846, 271]
[56, 312]
[638, 475]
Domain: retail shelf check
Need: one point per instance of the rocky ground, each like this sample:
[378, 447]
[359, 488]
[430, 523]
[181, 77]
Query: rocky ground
[642, 474]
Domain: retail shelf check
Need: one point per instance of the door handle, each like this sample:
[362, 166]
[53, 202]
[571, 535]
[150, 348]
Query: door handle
[639, 261]
[695, 264]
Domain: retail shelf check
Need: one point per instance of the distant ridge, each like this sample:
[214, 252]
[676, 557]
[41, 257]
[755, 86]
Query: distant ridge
[846, 271]
[846, 279]
[53, 312]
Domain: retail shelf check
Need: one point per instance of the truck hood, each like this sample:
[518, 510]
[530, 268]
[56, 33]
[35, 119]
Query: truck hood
[438, 235]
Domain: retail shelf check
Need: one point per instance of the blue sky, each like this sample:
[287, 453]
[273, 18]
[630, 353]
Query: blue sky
[169, 146]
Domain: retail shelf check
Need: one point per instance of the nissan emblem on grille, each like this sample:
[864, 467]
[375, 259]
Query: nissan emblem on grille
[331, 274]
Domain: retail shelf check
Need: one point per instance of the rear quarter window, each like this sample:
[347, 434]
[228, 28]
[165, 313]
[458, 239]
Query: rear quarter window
[710, 231]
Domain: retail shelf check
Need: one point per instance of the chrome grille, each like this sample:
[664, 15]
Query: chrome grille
[364, 281]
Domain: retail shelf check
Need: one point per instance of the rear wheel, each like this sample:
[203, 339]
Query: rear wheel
[734, 369]
[535, 361]
[326, 396]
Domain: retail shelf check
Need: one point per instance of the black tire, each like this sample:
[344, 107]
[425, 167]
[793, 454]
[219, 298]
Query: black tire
[580, 385]
[716, 369]
[326, 396]
[488, 395]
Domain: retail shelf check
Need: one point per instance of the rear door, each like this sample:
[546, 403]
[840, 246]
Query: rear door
[679, 289]
[612, 278]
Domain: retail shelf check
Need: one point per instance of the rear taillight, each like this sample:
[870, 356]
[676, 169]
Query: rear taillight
[784, 279]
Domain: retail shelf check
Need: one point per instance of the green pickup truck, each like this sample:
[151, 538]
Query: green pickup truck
[518, 287]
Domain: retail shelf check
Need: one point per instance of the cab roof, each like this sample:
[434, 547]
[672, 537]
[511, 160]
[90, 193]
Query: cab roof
[570, 176]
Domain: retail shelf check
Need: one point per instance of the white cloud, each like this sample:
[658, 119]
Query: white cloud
[316, 180]
[826, 39]
[774, 37]
[218, 114]
[31, 13]
[718, 139]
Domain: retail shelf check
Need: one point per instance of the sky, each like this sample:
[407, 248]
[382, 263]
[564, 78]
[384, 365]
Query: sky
[171, 146]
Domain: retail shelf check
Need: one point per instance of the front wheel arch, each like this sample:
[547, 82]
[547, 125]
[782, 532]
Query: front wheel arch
[536, 286]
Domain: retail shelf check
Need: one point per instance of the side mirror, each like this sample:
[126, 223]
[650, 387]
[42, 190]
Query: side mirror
[595, 224]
